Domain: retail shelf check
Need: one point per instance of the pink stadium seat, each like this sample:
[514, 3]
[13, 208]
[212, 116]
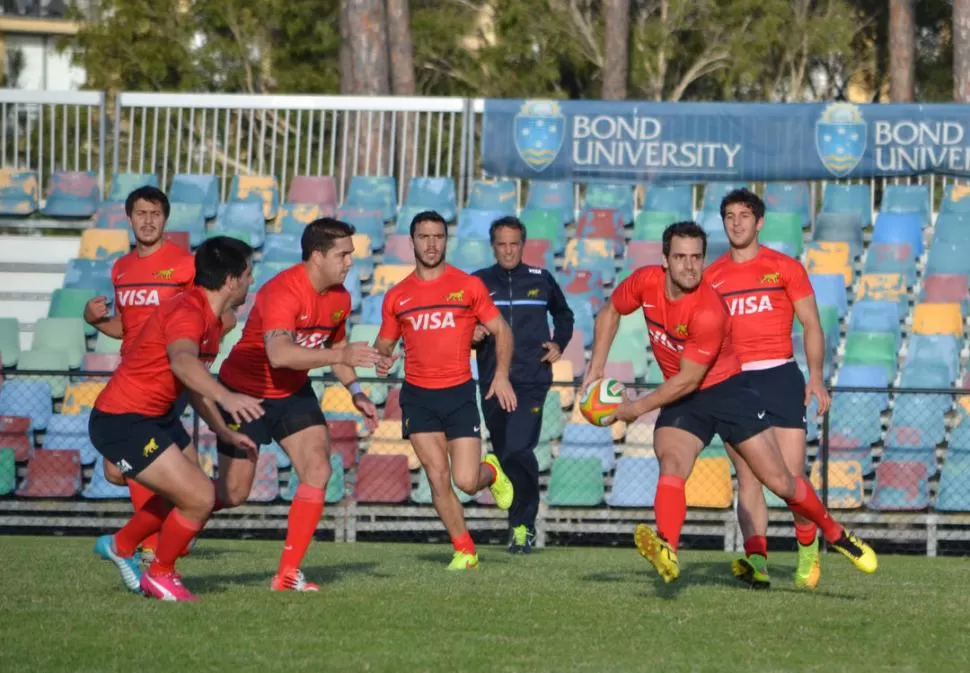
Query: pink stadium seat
[643, 253]
[52, 473]
[534, 252]
[945, 288]
[383, 479]
[13, 435]
[398, 250]
[266, 483]
[621, 371]
[343, 441]
[575, 353]
[100, 362]
[392, 407]
[316, 189]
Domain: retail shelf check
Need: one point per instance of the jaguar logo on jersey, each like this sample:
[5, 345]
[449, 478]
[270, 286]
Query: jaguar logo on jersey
[432, 320]
[456, 297]
[150, 448]
[163, 274]
[681, 330]
[336, 316]
[140, 297]
[534, 292]
[749, 305]
[771, 278]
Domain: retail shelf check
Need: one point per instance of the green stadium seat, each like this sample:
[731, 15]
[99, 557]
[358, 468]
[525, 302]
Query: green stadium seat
[9, 341]
[576, 482]
[8, 471]
[552, 422]
[69, 303]
[543, 453]
[783, 228]
[872, 348]
[654, 375]
[105, 344]
[631, 351]
[65, 334]
[546, 224]
[649, 225]
[45, 359]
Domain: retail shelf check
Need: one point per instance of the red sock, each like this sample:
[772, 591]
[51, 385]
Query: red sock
[807, 505]
[491, 468]
[139, 496]
[806, 533]
[144, 522]
[305, 513]
[464, 543]
[219, 503]
[756, 544]
[670, 508]
[177, 531]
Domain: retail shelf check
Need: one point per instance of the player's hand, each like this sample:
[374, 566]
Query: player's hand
[367, 408]
[96, 310]
[360, 354]
[501, 388]
[628, 411]
[553, 354]
[241, 441]
[384, 364]
[242, 408]
[591, 376]
[815, 388]
[479, 334]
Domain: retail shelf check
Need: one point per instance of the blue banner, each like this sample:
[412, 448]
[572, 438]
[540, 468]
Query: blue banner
[628, 141]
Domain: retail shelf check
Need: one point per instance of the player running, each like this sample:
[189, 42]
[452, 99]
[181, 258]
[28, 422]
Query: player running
[435, 310]
[154, 271]
[298, 323]
[763, 290]
[135, 423]
[702, 394]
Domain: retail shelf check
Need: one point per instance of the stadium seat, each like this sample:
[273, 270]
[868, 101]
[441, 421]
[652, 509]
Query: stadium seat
[954, 493]
[869, 315]
[123, 184]
[15, 434]
[363, 261]
[878, 375]
[600, 223]
[925, 369]
[583, 440]
[951, 228]
[185, 218]
[260, 189]
[9, 341]
[52, 474]
[941, 288]
[591, 254]
[587, 283]
[614, 196]
[956, 199]
[344, 441]
[846, 484]
[421, 494]
[866, 348]
[65, 334]
[552, 419]
[100, 362]
[45, 359]
[105, 344]
[8, 471]
[714, 193]
[848, 199]
[373, 193]
[907, 199]
[245, 217]
[889, 287]
[672, 198]
[789, 197]
[293, 218]
[950, 258]
[19, 192]
[69, 303]
[891, 258]
[336, 486]
[106, 244]
[552, 196]
[830, 290]
[938, 319]
[643, 253]
[649, 225]
[469, 254]
[493, 195]
[283, 248]
[917, 421]
[544, 224]
[102, 489]
[635, 482]
[900, 486]
[398, 250]
[785, 228]
[111, 215]
[65, 431]
[475, 223]
[387, 276]
[538, 253]
[854, 418]
[80, 397]
[709, 485]
[563, 378]
[266, 481]
[196, 190]
[436, 194]
[893, 227]
[382, 479]
[576, 482]
[829, 258]
[72, 194]
[839, 227]
[318, 190]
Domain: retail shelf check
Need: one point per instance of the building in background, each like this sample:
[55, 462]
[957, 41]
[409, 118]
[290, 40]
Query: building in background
[29, 34]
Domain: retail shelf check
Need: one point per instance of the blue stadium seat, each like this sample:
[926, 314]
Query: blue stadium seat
[671, 198]
[293, 217]
[899, 227]
[615, 197]
[584, 319]
[789, 197]
[954, 493]
[66, 431]
[891, 258]
[111, 215]
[580, 440]
[714, 193]
[907, 199]
[865, 376]
[123, 184]
[932, 350]
[830, 291]
[951, 228]
[712, 223]
[949, 258]
[845, 227]
[849, 199]
[635, 482]
[923, 413]
[282, 248]
[552, 196]
[187, 217]
[927, 376]
[352, 285]
[373, 193]
[102, 489]
[593, 254]
[582, 284]
[196, 189]
[89, 274]
[242, 216]
[475, 223]
[365, 222]
[869, 315]
[436, 194]
[370, 309]
[72, 194]
[717, 246]
[855, 417]
[31, 399]
[956, 199]
[900, 486]
[404, 217]
[499, 196]
[19, 192]
[264, 271]
[470, 254]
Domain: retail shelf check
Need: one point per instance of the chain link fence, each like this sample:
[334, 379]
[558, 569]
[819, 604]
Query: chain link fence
[892, 465]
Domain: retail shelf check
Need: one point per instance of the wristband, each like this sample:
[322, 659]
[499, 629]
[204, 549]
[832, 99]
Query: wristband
[355, 388]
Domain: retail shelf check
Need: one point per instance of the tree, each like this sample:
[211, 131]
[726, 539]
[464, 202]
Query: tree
[902, 50]
[961, 50]
[402, 80]
[616, 47]
[367, 22]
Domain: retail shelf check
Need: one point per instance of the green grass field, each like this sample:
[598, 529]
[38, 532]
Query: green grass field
[393, 607]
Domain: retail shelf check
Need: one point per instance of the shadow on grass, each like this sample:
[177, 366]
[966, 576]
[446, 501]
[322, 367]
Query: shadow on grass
[321, 574]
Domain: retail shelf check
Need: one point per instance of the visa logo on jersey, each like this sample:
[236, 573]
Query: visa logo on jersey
[311, 339]
[660, 337]
[142, 297]
[749, 305]
[432, 320]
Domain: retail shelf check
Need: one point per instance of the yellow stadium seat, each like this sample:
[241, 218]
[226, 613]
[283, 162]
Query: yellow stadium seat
[938, 319]
[79, 397]
[579, 251]
[264, 186]
[395, 447]
[387, 276]
[829, 258]
[562, 372]
[881, 286]
[709, 484]
[103, 243]
[294, 214]
[362, 250]
[845, 483]
[337, 399]
[388, 429]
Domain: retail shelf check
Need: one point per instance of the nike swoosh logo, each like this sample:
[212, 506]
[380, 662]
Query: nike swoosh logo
[476, 428]
[404, 301]
[491, 294]
[304, 316]
[649, 306]
[717, 284]
[761, 414]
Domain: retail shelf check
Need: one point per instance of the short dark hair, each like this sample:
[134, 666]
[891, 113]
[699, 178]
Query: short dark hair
[509, 222]
[748, 198]
[686, 229]
[428, 216]
[220, 258]
[150, 194]
[321, 235]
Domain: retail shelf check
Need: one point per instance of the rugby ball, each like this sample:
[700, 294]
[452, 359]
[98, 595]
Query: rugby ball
[601, 400]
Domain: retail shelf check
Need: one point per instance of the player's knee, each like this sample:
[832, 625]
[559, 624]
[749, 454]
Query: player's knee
[113, 475]
[439, 478]
[236, 494]
[781, 483]
[748, 484]
[467, 482]
[317, 471]
[197, 502]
